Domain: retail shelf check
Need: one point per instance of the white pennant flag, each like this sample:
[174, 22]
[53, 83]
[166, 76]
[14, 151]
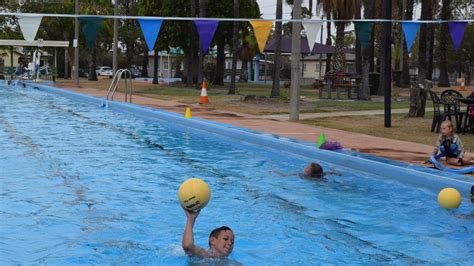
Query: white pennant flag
[29, 26]
[311, 30]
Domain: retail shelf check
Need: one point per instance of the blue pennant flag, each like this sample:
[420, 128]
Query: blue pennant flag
[150, 29]
[410, 29]
[206, 30]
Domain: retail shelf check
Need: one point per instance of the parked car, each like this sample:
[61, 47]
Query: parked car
[135, 72]
[104, 71]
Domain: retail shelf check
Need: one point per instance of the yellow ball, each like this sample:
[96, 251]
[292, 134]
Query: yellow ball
[449, 198]
[194, 194]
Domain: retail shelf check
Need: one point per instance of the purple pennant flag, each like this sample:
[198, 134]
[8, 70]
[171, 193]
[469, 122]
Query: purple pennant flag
[206, 30]
[457, 32]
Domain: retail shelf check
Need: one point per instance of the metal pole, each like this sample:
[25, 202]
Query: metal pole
[115, 48]
[295, 62]
[387, 69]
[75, 67]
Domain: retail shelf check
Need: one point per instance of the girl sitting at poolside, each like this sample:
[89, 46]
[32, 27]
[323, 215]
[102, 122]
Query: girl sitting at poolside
[450, 145]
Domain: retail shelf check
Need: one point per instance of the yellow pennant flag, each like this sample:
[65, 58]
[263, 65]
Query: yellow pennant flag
[261, 30]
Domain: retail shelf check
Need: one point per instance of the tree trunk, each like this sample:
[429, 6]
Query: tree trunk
[145, 62]
[418, 95]
[367, 55]
[443, 80]
[430, 48]
[358, 49]
[155, 67]
[235, 47]
[190, 52]
[277, 64]
[406, 57]
[220, 61]
[467, 73]
[202, 14]
[339, 56]
[93, 64]
[328, 42]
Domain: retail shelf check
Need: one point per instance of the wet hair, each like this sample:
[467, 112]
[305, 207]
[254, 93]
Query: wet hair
[215, 233]
[315, 170]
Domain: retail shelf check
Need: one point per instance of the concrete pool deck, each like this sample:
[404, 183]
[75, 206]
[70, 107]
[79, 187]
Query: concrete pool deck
[409, 152]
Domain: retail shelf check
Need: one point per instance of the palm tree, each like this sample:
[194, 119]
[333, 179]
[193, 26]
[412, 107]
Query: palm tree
[358, 49]
[202, 14]
[408, 15]
[339, 10]
[235, 46]
[418, 95]
[364, 92]
[103, 7]
[277, 65]
[443, 45]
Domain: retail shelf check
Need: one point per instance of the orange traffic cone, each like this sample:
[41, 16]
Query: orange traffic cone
[203, 99]
[462, 88]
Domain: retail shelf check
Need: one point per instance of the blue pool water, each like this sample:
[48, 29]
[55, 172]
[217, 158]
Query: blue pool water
[80, 184]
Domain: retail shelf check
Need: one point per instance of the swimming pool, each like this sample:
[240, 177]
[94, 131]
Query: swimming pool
[81, 184]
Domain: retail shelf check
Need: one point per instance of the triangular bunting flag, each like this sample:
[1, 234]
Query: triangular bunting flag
[90, 27]
[363, 31]
[311, 30]
[151, 29]
[206, 30]
[457, 32]
[321, 140]
[261, 30]
[410, 29]
[29, 26]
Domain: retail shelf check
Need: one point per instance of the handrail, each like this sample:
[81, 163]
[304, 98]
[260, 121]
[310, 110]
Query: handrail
[115, 82]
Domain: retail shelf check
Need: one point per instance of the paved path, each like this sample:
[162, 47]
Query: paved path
[389, 148]
[303, 116]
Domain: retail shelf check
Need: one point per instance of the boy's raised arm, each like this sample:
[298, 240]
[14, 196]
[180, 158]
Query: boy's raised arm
[188, 236]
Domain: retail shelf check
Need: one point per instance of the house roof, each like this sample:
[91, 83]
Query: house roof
[318, 48]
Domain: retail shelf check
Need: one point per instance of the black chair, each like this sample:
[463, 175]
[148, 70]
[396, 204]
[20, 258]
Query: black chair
[452, 107]
[438, 115]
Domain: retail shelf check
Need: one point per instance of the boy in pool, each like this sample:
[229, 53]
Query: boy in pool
[221, 240]
[311, 171]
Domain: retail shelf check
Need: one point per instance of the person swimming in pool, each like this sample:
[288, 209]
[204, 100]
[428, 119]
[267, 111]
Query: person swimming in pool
[221, 240]
[311, 171]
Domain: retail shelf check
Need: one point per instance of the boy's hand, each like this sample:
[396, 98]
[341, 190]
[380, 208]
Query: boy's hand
[191, 214]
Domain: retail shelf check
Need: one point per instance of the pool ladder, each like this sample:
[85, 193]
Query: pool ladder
[115, 81]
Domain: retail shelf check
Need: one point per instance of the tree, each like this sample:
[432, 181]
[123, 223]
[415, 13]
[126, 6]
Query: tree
[364, 92]
[418, 95]
[358, 58]
[277, 64]
[223, 35]
[443, 80]
[339, 10]
[408, 15]
[235, 46]
[151, 8]
[202, 14]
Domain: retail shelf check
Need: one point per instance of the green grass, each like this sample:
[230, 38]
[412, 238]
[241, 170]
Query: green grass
[220, 99]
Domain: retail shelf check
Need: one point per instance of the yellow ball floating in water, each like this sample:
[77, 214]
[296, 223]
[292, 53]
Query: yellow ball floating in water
[449, 198]
[194, 194]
